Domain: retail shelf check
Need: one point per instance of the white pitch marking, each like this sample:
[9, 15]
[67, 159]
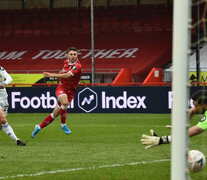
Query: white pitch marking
[86, 168]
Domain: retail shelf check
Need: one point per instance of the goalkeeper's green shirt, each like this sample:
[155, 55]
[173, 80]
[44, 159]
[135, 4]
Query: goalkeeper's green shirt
[203, 122]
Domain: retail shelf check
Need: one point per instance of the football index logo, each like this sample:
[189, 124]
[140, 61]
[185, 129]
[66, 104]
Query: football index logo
[87, 100]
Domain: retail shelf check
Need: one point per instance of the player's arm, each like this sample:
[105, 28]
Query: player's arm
[6, 76]
[60, 76]
[154, 140]
[194, 131]
[192, 111]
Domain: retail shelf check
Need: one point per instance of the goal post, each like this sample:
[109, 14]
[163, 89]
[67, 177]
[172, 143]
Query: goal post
[181, 47]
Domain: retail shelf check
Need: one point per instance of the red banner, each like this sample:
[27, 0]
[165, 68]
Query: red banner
[138, 51]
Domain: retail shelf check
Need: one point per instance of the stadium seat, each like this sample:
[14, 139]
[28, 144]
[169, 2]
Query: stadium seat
[66, 29]
[116, 25]
[126, 22]
[97, 30]
[18, 32]
[17, 26]
[46, 31]
[148, 28]
[159, 28]
[37, 32]
[137, 28]
[1, 33]
[8, 33]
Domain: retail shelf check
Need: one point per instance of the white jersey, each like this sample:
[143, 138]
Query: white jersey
[5, 79]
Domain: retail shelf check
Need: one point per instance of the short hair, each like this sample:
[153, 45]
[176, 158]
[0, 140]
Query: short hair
[72, 49]
[200, 96]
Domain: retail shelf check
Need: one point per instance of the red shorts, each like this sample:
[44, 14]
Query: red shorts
[60, 90]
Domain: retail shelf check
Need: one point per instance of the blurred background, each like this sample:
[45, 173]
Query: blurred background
[133, 35]
[132, 38]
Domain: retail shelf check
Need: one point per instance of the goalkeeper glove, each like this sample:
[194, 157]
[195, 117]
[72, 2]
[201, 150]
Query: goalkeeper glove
[153, 140]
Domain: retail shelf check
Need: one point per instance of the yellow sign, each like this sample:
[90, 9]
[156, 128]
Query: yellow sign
[193, 77]
[25, 79]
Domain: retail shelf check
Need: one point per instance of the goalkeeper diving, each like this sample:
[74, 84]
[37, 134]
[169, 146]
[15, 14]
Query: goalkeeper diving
[200, 106]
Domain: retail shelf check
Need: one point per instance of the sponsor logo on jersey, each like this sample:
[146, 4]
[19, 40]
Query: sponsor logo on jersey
[203, 119]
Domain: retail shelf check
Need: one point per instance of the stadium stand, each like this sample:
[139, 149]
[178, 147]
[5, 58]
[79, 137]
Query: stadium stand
[138, 38]
[113, 19]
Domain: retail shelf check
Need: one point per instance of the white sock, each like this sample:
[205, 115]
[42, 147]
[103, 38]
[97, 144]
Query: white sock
[64, 107]
[52, 115]
[62, 124]
[9, 131]
[169, 139]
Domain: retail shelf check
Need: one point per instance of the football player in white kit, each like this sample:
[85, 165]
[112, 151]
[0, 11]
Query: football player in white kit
[5, 79]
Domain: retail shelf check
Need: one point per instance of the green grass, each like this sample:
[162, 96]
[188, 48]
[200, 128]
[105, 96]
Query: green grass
[97, 140]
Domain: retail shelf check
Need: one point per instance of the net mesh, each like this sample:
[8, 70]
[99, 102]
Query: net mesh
[198, 63]
[199, 41]
[199, 23]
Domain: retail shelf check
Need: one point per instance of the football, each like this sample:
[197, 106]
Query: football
[196, 160]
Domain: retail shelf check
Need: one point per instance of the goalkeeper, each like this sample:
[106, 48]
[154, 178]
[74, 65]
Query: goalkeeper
[200, 105]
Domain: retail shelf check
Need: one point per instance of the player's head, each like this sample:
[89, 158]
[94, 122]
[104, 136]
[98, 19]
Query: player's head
[200, 100]
[72, 54]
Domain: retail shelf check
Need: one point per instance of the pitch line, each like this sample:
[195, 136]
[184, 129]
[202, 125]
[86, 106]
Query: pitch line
[84, 168]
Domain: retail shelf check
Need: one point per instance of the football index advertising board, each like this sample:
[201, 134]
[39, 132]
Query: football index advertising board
[94, 100]
[39, 78]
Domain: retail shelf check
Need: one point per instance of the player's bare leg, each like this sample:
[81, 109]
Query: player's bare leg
[8, 129]
[63, 99]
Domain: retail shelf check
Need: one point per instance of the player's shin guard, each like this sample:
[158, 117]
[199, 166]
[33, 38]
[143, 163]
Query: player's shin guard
[50, 118]
[63, 113]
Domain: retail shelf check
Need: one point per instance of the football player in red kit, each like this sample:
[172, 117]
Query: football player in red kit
[69, 78]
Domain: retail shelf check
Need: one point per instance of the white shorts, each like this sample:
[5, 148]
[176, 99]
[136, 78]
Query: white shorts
[4, 105]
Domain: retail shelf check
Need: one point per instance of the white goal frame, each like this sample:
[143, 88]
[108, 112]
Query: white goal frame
[181, 48]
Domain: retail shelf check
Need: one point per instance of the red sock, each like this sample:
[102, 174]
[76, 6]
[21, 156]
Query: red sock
[47, 121]
[63, 114]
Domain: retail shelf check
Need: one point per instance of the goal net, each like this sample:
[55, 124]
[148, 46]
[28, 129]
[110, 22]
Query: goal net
[199, 23]
[183, 13]
[198, 62]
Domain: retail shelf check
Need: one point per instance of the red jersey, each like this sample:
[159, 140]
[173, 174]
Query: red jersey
[71, 84]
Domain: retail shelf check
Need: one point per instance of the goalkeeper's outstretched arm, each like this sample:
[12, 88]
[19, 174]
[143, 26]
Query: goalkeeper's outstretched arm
[155, 140]
[200, 104]
[191, 112]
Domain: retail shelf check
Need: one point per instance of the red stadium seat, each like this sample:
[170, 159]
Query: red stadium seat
[18, 32]
[8, 33]
[27, 32]
[1, 32]
[37, 32]
[111, 19]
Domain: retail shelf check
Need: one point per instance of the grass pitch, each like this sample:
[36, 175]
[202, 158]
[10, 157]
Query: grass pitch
[101, 147]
